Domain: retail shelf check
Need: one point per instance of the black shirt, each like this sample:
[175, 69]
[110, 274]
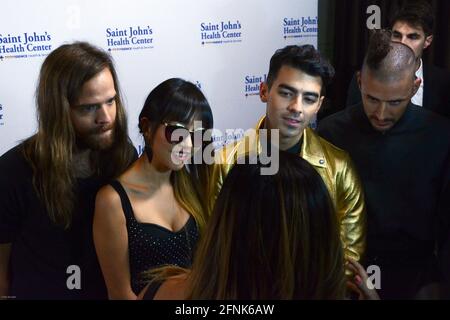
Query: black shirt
[296, 148]
[42, 252]
[404, 172]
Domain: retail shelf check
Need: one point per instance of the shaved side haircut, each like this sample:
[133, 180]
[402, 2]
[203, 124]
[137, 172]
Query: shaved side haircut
[388, 61]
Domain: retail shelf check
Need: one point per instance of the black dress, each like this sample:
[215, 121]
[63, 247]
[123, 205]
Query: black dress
[151, 245]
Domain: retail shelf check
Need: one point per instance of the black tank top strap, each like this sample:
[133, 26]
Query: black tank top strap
[126, 204]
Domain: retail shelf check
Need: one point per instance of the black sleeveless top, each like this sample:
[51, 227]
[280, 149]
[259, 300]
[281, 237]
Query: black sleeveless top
[151, 245]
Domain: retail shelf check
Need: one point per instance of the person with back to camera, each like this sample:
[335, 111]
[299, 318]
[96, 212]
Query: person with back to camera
[269, 237]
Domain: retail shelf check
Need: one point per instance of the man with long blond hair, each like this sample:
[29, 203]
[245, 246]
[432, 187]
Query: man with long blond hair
[48, 182]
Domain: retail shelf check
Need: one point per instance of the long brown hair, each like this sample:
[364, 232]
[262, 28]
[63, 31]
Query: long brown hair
[50, 150]
[271, 237]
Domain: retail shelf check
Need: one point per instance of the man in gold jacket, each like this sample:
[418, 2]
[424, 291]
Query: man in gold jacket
[293, 93]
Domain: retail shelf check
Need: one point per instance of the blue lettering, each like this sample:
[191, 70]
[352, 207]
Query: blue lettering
[252, 88]
[291, 22]
[140, 32]
[230, 26]
[135, 40]
[9, 39]
[310, 30]
[209, 27]
[226, 34]
[116, 33]
[16, 48]
[308, 21]
[119, 42]
[252, 79]
[35, 37]
[288, 30]
[31, 47]
[209, 36]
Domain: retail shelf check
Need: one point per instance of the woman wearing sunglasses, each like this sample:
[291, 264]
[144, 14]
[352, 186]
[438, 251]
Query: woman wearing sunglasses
[153, 213]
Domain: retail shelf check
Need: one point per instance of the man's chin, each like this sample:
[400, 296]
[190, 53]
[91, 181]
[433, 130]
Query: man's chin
[291, 133]
[99, 142]
[382, 127]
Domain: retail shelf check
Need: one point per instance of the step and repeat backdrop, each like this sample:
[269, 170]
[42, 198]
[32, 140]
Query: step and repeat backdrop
[223, 46]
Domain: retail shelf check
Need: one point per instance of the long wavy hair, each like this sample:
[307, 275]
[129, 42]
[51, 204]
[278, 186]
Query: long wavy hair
[181, 101]
[50, 150]
[270, 237]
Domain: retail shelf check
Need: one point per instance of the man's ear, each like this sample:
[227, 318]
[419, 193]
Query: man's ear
[416, 86]
[428, 41]
[320, 104]
[264, 91]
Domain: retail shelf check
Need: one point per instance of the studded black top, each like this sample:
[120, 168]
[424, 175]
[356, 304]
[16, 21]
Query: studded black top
[151, 245]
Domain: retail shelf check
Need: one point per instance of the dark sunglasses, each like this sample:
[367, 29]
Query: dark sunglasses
[181, 134]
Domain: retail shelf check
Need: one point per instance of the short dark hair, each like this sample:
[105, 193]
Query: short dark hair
[416, 13]
[305, 58]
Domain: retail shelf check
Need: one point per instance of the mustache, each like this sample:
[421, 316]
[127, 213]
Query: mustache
[101, 129]
[384, 120]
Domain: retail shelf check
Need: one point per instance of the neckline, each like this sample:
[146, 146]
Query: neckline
[164, 228]
[129, 212]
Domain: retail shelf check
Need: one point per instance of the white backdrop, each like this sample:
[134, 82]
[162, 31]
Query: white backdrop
[224, 46]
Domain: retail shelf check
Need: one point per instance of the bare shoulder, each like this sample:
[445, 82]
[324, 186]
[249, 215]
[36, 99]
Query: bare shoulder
[173, 288]
[107, 203]
[107, 194]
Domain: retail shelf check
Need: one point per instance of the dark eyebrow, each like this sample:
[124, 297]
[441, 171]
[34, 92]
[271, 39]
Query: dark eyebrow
[390, 101]
[397, 100]
[295, 91]
[311, 94]
[287, 87]
[95, 104]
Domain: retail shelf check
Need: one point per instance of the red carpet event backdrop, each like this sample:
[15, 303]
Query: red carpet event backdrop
[223, 46]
